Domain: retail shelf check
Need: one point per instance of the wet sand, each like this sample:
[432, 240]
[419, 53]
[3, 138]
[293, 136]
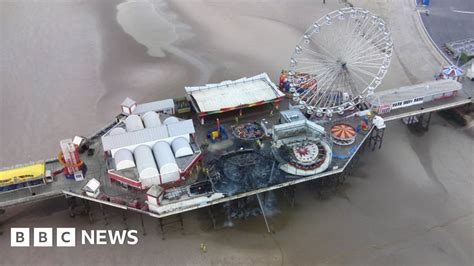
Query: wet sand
[67, 67]
[410, 203]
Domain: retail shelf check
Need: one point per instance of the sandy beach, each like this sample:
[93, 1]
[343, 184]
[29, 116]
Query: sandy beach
[67, 74]
[67, 65]
[65, 71]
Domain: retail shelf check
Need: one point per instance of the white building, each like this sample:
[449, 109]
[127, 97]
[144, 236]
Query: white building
[147, 156]
[148, 136]
[385, 101]
[163, 106]
[128, 106]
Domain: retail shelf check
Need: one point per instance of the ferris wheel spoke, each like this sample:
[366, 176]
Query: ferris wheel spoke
[314, 53]
[368, 46]
[324, 74]
[314, 70]
[361, 50]
[318, 56]
[351, 83]
[315, 63]
[304, 98]
[329, 96]
[339, 34]
[313, 85]
[361, 40]
[351, 34]
[363, 71]
[381, 37]
[371, 50]
[319, 84]
[312, 64]
[325, 50]
[367, 58]
[326, 103]
[336, 93]
[311, 60]
[320, 94]
[329, 86]
[324, 71]
[306, 68]
[345, 83]
[310, 99]
[364, 81]
[328, 77]
[367, 52]
[364, 41]
[373, 66]
[307, 89]
[314, 81]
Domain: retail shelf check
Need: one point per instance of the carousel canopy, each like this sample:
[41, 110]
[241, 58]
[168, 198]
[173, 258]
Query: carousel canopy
[343, 131]
[452, 71]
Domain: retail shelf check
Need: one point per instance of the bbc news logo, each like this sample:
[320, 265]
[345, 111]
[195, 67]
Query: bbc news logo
[66, 237]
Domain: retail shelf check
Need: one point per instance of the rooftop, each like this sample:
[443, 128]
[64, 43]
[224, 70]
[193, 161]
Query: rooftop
[153, 106]
[292, 115]
[230, 94]
[128, 102]
[184, 127]
[414, 91]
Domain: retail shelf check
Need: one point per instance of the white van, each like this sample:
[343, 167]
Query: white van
[470, 72]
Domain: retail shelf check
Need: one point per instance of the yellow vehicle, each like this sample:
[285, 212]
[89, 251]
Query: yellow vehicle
[16, 178]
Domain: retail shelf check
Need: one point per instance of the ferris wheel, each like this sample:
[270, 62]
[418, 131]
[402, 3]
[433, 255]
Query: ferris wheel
[340, 60]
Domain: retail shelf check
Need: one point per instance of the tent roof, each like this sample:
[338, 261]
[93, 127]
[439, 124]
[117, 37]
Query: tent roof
[230, 94]
[343, 131]
[452, 71]
[110, 142]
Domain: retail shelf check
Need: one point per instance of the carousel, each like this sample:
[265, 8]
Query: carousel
[248, 131]
[302, 148]
[343, 134]
[451, 72]
[307, 155]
